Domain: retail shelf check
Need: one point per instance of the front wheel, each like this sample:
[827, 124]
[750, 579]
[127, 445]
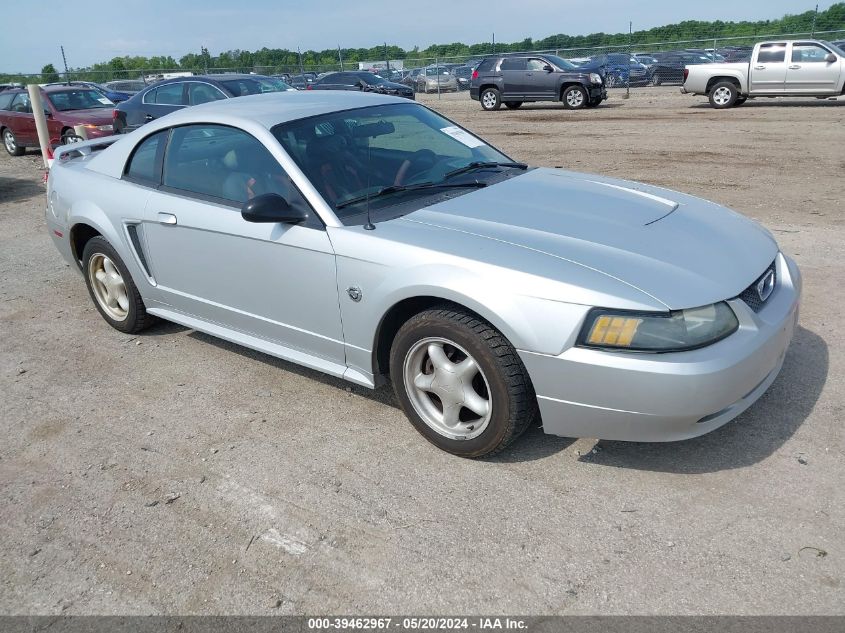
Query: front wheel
[724, 95]
[512, 105]
[460, 382]
[69, 137]
[656, 80]
[490, 99]
[112, 289]
[574, 98]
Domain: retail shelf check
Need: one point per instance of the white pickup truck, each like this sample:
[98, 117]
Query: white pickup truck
[786, 68]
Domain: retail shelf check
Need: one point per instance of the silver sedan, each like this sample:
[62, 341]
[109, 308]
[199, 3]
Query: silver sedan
[373, 239]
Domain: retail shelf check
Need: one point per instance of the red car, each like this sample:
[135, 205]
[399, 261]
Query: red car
[65, 107]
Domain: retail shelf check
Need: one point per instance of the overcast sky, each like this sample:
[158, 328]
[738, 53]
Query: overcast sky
[33, 31]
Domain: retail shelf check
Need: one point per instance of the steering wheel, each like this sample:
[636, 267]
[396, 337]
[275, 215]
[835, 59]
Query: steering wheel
[420, 161]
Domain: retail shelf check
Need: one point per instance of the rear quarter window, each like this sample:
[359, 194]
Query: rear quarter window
[486, 66]
[6, 100]
[145, 164]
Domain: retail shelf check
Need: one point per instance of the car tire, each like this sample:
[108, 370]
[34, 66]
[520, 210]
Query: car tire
[656, 80]
[512, 105]
[11, 143]
[575, 98]
[495, 383]
[723, 95]
[490, 99]
[69, 137]
[111, 288]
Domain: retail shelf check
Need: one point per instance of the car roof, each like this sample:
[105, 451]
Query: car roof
[273, 108]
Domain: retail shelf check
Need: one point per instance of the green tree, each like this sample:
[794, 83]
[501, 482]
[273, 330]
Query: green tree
[49, 74]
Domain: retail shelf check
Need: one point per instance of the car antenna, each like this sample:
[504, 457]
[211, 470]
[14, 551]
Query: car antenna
[369, 226]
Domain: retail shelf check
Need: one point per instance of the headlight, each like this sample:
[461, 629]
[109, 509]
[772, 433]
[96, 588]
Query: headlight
[658, 332]
[595, 78]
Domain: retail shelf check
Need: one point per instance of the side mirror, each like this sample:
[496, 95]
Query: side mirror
[830, 57]
[548, 68]
[271, 207]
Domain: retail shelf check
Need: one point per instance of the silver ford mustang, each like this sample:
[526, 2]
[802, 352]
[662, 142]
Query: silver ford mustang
[373, 239]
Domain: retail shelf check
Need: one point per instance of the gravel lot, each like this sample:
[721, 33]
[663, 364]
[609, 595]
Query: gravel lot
[174, 473]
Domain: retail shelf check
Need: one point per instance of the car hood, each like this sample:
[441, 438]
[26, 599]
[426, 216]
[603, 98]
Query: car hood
[680, 250]
[97, 116]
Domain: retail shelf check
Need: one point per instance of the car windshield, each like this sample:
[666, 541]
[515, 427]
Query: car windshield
[351, 154]
[254, 85]
[431, 72]
[78, 99]
[560, 62]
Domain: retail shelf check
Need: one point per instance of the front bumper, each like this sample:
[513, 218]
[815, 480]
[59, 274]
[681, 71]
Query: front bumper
[598, 91]
[667, 397]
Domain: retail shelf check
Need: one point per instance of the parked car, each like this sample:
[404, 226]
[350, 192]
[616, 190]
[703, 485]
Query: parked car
[170, 95]
[619, 69]
[10, 86]
[128, 86]
[65, 107]
[463, 75]
[669, 68]
[516, 79]
[410, 78]
[435, 79]
[785, 68]
[115, 96]
[301, 82]
[646, 59]
[398, 246]
[363, 81]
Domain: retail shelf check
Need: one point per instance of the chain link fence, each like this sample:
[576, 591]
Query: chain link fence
[633, 64]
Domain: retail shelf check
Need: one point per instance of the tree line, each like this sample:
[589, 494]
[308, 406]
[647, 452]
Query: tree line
[268, 60]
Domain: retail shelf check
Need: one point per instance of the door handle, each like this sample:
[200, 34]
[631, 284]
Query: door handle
[166, 218]
[759, 68]
[796, 67]
[149, 117]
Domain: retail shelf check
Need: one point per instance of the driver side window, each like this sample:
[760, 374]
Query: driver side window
[223, 164]
[536, 64]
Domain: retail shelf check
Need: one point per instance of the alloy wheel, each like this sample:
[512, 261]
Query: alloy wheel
[447, 388]
[9, 141]
[722, 96]
[575, 98]
[489, 99]
[109, 287]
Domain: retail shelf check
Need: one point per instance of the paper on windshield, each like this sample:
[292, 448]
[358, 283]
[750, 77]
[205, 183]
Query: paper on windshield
[462, 135]
[104, 101]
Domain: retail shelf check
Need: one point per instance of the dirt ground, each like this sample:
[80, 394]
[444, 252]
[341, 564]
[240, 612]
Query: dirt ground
[174, 473]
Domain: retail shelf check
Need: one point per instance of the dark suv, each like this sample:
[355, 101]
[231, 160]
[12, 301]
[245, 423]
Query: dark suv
[515, 79]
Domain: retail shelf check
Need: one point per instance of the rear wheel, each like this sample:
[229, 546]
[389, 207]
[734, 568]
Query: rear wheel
[112, 289]
[490, 99]
[574, 98]
[723, 95]
[512, 105]
[11, 143]
[460, 382]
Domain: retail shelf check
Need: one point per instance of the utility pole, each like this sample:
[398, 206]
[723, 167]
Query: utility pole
[494, 42]
[301, 69]
[64, 61]
[815, 14]
[387, 61]
[340, 57]
[630, 54]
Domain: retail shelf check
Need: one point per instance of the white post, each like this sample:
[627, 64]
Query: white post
[40, 123]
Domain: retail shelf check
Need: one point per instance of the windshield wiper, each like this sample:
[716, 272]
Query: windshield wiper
[384, 191]
[483, 165]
